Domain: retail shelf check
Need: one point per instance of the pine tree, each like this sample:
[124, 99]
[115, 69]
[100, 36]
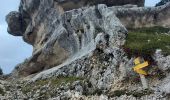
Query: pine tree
[162, 2]
[1, 72]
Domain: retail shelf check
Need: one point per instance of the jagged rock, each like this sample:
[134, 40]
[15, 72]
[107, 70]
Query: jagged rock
[14, 20]
[62, 36]
[84, 47]
[74, 4]
[164, 86]
[138, 17]
[28, 10]
[162, 61]
[99, 73]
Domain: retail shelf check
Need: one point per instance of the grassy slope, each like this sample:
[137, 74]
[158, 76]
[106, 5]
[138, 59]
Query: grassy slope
[144, 41]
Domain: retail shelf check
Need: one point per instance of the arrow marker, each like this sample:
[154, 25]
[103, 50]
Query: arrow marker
[138, 69]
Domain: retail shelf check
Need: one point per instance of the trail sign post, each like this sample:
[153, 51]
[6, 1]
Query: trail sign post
[138, 69]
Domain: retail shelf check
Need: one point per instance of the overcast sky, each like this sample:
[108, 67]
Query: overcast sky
[12, 49]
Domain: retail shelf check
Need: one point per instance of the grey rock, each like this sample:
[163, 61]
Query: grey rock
[137, 17]
[74, 4]
[73, 33]
[81, 43]
[163, 62]
[62, 37]
[15, 23]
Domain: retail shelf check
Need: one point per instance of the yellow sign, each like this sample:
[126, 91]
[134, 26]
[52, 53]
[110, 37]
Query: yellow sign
[139, 66]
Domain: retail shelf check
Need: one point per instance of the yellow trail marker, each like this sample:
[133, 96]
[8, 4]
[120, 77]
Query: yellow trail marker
[137, 61]
[138, 69]
[139, 66]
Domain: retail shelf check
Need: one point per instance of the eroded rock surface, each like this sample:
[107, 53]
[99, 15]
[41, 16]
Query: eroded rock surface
[62, 35]
[138, 17]
[78, 53]
[57, 35]
[15, 25]
[74, 4]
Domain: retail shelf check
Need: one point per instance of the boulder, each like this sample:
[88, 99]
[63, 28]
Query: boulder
[15, 23]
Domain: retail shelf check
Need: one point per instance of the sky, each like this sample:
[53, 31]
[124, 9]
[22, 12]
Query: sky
[149, 3]
[13, 50]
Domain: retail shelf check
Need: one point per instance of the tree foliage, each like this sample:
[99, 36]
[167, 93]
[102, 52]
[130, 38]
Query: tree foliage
[162, 2]
[1, 72]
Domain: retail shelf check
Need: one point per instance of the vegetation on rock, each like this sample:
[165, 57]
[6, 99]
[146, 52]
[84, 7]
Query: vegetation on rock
[162, 2]
[1, 72]
[136, 94]
[145, 41]
[54, 82]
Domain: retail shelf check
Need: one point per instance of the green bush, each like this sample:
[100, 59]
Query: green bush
[162, 2]
[1, 72]
[2, 91]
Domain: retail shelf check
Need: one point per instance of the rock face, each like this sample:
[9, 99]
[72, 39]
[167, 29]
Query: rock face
[78, 53]
[14, 20]
[162, 61]
[137, 17]
[63, 35]
[73, 4]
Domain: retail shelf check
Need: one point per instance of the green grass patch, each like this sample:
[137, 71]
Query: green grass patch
[136, 94]
[118, 93]
[144, 41]
[139, 94]
[2, 91]
[54, 82]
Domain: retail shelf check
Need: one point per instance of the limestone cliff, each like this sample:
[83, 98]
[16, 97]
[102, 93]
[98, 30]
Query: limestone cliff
[70, 4]
[79, 51]
[57, 35]
[133, 17]
[44, 25]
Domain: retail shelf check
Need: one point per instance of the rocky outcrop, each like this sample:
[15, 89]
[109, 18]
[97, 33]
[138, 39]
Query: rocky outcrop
[72, 90]
[15, 25]
[162, 61]
[74, 4]
[61, 35]
[67, 35]
[78, 53]
[137, 17]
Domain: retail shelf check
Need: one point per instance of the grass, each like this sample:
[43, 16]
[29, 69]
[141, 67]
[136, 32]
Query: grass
[136, 94]
[118, 93]
[139, 94]
[2, 91]
[144, 41]
[54, 82]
